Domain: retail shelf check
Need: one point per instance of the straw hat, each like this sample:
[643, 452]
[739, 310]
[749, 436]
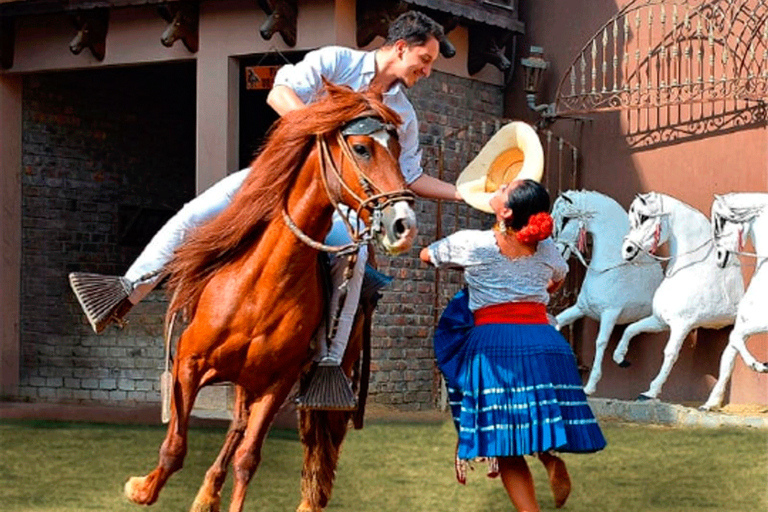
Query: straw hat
[513, 153]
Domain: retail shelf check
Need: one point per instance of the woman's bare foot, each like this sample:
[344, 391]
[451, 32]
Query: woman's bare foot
[559, 480]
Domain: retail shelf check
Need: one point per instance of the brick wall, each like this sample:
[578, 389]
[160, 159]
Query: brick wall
[107, 154]
[452, 112]
[102, 148]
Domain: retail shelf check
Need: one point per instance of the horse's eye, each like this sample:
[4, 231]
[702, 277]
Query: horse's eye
[361, 150]
[642, 218]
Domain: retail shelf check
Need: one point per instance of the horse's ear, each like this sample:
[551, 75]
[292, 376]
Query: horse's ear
[641, 197]
[567, 196]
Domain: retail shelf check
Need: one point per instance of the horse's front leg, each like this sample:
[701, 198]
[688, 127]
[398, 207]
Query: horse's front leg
[568, 316]
[188, 373]
[736, 346]
[648, 324]
[607, 323]
[208, 498]
[248, 453]
[677, 334]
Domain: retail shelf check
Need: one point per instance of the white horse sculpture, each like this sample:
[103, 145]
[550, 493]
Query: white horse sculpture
[695, 292]
[737, 218]
[614, 291]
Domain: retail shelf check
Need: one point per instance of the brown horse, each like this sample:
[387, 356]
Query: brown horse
[250, 284]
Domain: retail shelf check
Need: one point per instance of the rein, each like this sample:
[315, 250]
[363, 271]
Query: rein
[375, 203]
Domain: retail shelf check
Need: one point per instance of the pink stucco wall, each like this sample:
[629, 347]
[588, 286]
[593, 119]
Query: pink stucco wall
[692, 169]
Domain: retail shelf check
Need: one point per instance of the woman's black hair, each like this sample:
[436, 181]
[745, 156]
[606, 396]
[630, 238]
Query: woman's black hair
[414, 28]
[528, 198]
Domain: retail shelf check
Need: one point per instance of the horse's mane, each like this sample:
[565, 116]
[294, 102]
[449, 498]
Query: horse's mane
[290, 141]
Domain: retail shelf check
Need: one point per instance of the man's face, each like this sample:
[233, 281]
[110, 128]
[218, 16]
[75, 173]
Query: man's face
[417, 60]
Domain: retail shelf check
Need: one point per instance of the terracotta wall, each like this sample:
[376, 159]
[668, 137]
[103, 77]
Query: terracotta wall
[711, 161]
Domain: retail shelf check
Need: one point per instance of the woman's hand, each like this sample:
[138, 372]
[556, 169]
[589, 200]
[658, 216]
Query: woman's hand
[424, 255]
[553, 286]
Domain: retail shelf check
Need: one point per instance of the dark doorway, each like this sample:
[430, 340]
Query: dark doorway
[256, 74]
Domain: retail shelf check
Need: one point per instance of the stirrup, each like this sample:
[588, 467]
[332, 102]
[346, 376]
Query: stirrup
[104, 299]
[329, 390]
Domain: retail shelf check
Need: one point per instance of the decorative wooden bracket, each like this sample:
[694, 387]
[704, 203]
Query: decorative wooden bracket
[183, 20]
[487, 46]
[91, 25]
[7, 41]
[282, 17]
[375, 16]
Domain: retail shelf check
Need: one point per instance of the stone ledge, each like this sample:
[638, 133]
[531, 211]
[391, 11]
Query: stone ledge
[657, 412]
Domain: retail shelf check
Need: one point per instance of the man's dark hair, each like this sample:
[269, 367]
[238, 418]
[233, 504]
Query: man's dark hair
[414, 28]
[528, 198]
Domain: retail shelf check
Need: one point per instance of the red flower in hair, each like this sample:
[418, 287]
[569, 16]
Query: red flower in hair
[538, 228]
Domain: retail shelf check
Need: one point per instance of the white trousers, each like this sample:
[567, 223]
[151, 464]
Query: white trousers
[147, 270]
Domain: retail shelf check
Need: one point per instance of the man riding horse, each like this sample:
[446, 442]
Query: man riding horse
[408, 54]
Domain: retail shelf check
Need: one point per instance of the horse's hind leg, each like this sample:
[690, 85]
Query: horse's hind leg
[186, 379]
[607, 323]
[322, 433]
[248, 454]
[208, 498]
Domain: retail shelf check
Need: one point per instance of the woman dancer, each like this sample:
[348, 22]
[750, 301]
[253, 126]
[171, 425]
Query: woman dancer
[513, 381]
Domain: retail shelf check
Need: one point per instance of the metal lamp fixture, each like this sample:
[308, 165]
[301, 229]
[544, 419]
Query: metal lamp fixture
[534, 66]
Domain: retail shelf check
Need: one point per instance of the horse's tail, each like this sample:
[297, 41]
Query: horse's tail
[322, 433]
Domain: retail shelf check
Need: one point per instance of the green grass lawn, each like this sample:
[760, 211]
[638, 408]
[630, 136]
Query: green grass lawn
[50, 466]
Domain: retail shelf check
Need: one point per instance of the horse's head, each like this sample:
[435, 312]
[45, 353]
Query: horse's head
[732, 220]
[569, 229]
[370, 182]
[648, 228]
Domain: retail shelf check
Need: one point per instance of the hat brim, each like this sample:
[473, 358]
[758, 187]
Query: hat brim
[497, 159]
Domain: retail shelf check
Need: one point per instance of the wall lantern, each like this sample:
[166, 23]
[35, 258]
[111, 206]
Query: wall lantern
[534, 67]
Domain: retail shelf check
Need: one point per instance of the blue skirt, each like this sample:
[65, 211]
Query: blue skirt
[514, 389]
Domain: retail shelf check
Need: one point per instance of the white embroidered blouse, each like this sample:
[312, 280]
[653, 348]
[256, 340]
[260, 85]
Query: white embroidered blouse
[493, 278]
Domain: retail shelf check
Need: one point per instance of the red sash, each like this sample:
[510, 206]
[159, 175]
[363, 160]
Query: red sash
[512, 313]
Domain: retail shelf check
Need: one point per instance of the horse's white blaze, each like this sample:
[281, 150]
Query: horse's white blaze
[695, 291]
[737, 218]
[613, 291]
[382, 137]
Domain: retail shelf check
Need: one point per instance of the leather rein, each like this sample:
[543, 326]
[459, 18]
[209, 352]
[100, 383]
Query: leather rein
[375, 202]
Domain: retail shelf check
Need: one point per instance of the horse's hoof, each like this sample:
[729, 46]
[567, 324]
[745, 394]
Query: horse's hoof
[707, 408]
[625, 364]
[644, 398]
[201, 506]
[134, 490]
[306, 507]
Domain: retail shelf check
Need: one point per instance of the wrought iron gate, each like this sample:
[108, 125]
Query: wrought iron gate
[676, 68]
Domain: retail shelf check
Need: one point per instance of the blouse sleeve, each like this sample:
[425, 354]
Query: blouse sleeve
[306, 76]
[458, 249]
[555, 260]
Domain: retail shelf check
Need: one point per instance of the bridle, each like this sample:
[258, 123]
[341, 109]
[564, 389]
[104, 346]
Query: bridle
[375, 201]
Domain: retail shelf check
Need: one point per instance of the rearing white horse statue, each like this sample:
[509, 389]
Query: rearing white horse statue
[695, 292]
[737, 218]
[614, 291]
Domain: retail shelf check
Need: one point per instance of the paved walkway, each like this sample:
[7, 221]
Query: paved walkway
[660, 413]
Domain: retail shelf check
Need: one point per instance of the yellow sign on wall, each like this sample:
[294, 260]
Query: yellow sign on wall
[258, 78]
